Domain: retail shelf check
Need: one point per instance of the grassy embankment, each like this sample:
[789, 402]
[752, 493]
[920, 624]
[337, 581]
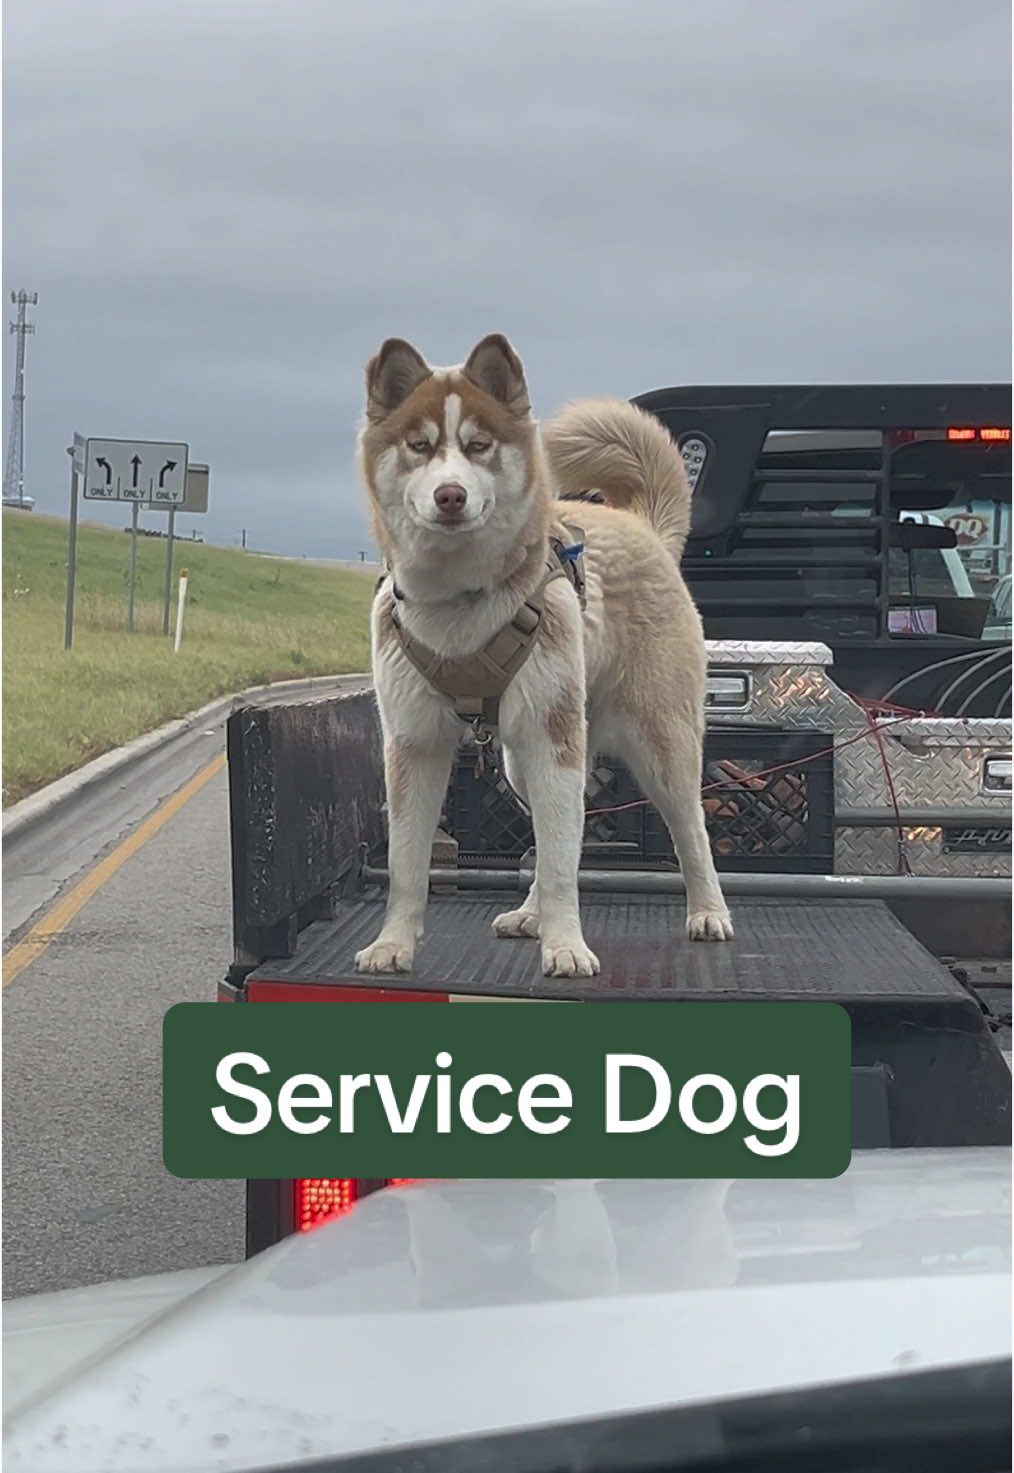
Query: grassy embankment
[249, 619]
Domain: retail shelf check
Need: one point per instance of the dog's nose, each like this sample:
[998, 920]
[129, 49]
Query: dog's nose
[450, 498]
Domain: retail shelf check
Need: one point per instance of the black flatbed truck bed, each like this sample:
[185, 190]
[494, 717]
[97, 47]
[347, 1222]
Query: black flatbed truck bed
[853, 952]
[843, 950]
[308, 867]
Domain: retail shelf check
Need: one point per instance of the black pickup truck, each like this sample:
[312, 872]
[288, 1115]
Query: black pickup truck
[857, 778]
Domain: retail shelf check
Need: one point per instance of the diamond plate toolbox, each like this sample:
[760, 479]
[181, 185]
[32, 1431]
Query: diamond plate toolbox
[951, 777]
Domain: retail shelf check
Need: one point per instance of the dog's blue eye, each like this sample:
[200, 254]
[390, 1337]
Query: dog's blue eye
[477, 447]
[419, 446]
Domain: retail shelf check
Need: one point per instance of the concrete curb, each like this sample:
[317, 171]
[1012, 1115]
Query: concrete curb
[30, 811]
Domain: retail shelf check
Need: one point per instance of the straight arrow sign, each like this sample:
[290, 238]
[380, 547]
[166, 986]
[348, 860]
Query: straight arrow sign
[136, 463]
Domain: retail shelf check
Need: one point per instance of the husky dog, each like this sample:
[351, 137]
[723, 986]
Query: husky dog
[463, 490]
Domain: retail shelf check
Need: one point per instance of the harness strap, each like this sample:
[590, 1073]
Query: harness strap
[475, 683]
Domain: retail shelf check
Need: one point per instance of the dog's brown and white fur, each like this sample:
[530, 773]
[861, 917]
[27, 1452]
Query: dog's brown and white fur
[625, 677]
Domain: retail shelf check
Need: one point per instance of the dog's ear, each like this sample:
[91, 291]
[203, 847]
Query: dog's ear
[495, 368]
[391, 375]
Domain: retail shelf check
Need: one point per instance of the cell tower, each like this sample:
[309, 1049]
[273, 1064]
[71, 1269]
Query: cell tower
[14, 469]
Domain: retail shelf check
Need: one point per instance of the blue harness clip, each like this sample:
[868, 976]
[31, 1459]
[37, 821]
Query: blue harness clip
[573, 552]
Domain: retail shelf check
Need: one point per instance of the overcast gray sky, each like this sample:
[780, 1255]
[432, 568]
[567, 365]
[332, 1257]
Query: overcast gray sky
[224, 205]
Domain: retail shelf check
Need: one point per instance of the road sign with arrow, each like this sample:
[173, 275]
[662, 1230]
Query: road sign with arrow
[149, 472]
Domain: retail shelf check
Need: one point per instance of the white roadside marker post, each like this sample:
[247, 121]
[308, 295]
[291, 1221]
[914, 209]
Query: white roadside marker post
[180, 606]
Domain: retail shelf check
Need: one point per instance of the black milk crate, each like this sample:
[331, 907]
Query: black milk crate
[757, 819]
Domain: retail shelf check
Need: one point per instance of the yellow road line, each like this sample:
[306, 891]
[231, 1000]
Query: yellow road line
[56, 920]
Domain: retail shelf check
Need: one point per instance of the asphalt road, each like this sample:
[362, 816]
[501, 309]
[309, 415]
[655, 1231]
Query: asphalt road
[86, 1197]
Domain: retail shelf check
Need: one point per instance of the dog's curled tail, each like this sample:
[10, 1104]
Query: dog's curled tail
[611, 446]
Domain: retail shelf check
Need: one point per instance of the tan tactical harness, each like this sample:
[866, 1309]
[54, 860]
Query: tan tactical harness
[474, 684]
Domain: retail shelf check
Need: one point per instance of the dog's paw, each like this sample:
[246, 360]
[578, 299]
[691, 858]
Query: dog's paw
[574, 960]
[709, 925]
[384, 956]
[517, 923]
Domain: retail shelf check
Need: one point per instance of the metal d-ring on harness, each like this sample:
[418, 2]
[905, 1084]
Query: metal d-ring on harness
[474, 684]
[482, 736]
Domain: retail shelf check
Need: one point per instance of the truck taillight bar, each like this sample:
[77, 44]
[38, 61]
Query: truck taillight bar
[954, 434]
[990, 433]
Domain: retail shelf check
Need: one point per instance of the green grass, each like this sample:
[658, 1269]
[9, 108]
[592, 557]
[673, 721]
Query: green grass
[249, 620]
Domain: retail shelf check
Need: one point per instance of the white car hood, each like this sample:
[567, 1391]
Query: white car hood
[443, 1309]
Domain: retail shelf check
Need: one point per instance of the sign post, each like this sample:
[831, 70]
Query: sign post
[132, 583]
[168, 591]
[77, 455]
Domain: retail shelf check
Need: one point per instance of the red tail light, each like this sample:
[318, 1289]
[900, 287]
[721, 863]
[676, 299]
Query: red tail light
[319, 1199]
[964, 434]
